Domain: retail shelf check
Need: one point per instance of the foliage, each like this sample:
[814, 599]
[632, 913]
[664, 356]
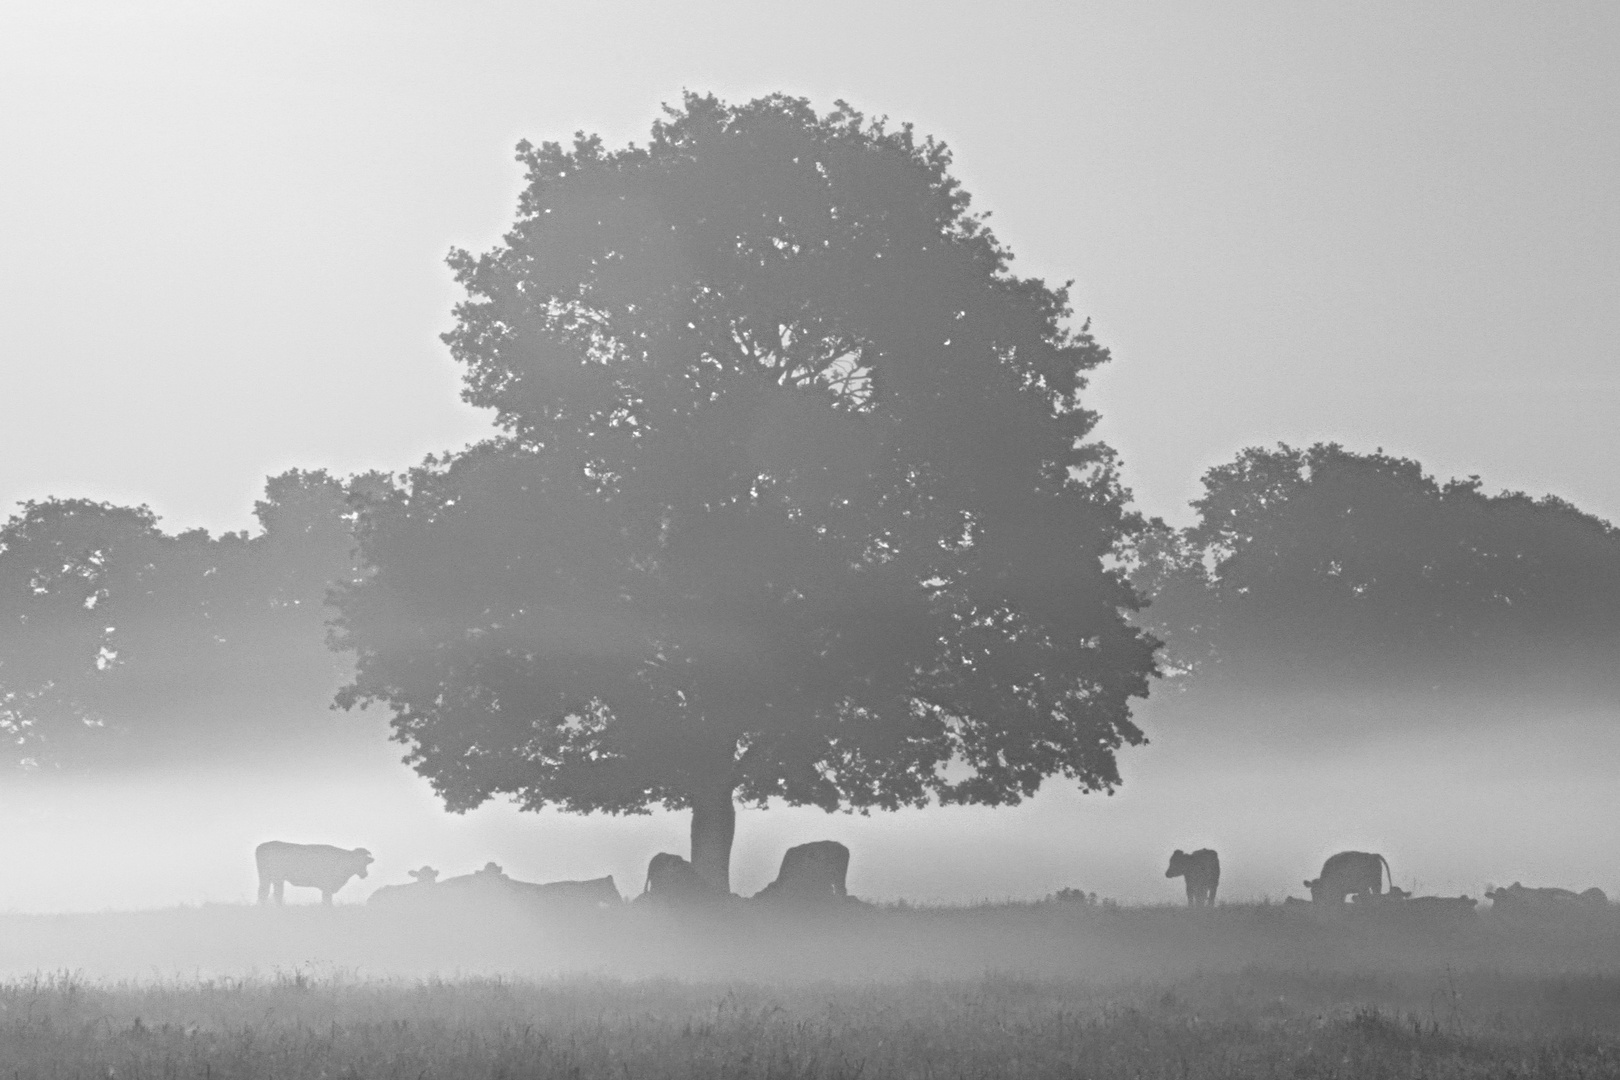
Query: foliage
[1322, 562]
[795, 498]
[118, 638]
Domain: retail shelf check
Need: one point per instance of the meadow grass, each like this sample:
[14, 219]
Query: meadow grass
[1250, 1024]
[1039, 990]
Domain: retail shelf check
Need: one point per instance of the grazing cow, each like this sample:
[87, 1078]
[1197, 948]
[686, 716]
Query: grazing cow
[425, 876]
[670, 877]
[1347, 873]
[1519, 900]
[1202, 871]
[814, 871]
[313, 866]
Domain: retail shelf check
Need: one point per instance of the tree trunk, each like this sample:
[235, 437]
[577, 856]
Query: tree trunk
[714, 823]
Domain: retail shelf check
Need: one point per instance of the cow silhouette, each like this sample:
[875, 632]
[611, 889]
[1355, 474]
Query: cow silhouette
[671, 878]
[1350, 873]
[491, 885]
[810, 872]
[1519, 899]
[308, 866]
[1201, 871]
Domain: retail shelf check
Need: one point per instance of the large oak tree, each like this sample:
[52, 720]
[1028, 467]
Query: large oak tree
[795, 497]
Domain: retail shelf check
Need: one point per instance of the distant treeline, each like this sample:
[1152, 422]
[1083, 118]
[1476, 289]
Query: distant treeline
[120, 641]
[1320, 570]
[1308, 570]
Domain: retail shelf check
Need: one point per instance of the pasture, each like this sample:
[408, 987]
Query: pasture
[1033, 990]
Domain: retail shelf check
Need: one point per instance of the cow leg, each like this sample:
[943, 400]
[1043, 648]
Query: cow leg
[280, 895]
[1192, 892]
[326, 897]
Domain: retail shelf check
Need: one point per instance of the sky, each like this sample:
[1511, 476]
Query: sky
[223, 225]
[222, 239]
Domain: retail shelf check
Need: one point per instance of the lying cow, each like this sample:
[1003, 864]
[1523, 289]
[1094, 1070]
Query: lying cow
[493, 881]
[810, 872]
[1201, 871]
[1442, 905]
[308, 866]
[1403, 903]
[492, 884]
[1349, 873]
[597, 892]
[1394, 896]
[1516, 899]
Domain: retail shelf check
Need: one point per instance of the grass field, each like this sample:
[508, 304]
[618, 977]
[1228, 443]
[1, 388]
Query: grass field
[1040, 990]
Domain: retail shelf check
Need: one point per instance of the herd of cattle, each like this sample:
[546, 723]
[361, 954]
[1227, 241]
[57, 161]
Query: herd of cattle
[816, 872]
[810, 873]
[1359, 876]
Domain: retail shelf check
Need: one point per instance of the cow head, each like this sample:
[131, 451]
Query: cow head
[1316, 890]
[362, 859]
[1178, 863]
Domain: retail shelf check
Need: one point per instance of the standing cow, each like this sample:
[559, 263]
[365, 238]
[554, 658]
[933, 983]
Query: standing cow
[311, 866]
[1350, 873]
[1202, 872]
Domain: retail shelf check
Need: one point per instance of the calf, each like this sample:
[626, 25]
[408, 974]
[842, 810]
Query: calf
[1201, 871]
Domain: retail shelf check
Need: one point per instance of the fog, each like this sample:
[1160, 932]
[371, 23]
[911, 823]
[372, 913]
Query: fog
[1525, 794]
[1384, 230]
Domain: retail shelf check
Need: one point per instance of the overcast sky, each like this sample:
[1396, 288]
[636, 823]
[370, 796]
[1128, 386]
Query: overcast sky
[222, 225]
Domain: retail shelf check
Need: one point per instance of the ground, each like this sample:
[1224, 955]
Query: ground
[1055, 989]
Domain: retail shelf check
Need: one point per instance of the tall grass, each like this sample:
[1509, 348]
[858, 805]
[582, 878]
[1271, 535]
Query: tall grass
[1035, 990]
[1259, 1023]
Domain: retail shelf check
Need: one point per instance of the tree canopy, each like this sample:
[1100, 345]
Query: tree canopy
[796, 497]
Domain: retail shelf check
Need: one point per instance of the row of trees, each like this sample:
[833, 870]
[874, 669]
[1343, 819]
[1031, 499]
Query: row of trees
[795, 498]
[120, 641]
[1308, 568]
